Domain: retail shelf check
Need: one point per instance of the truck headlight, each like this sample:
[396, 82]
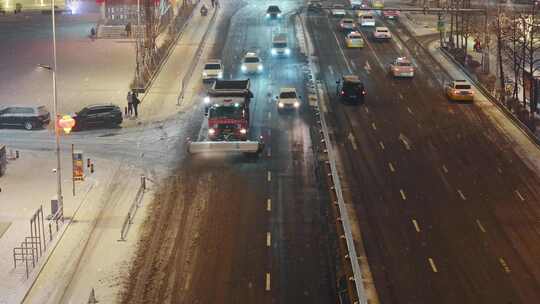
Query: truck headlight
[220, 75]
[243, 131]
[287, 51]
[205, 74]
[267, 15]
[296, 104]
[280, 104]
[206, 100]
[260, 68]
[278, 15]
[211, 131]
[243, 68]
[274, 52]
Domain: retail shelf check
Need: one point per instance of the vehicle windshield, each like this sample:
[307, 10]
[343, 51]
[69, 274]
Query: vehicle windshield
[355, 37]
[404, 64]
[42, 110]
[212, 66]
[273, 9]
[226, 112]
[352, 87]
[287, 95]
[382, 31]
[280, 45]
[463, 87]
[251, 59]
[347, 21]
[367, 17]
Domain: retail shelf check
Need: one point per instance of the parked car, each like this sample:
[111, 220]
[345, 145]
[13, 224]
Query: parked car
[100, 115]
[29, 117]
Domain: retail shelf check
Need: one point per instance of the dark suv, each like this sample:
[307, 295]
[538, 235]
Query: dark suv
[29, 117]
[273, 12]
[351, 89]
[98, 116]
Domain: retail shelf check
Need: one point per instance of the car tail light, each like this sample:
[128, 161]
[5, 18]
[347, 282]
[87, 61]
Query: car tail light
[342, 92]
[364, 92]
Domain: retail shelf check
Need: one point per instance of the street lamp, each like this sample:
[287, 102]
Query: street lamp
[56, 116]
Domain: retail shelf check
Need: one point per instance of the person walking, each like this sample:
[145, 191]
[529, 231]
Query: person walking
[136, 103]
[92, 33]
[130, 104]
[128, 29]
[213, 3]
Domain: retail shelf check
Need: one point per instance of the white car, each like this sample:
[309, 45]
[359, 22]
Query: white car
[213, 69]
[338, 10]
[288, 99]
[382, 33]
[366, 19]
[251, 63]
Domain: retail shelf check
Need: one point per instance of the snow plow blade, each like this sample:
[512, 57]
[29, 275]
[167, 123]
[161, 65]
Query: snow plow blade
[212, 147]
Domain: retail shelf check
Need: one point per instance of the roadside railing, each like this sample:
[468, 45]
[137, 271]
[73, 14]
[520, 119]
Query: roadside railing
[195, 61]
[133, 209]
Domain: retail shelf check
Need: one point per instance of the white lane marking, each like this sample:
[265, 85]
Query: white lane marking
[400, 96]
[353, 141]
[416, 226]
[269, 176]
[461, 194]
[500, 170]
[381, 144]
[268, 239]
[519, 195]
[398, 45]
[269, 115]
[331, 69]
[405, 141]
[433, 266]
[444, 169]
[373, 126]
[367, 110]
[269, 132]
[391, 167]
[409, 109]
[353, 65]
[504, 265]
[341, 50]
[402, 194]
[267, 287]
[372, 49]
[480, 226]
[269, 204]
[367, 67]
[269, 152]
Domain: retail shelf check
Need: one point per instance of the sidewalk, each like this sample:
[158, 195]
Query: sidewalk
[517, 139]
[33, 170]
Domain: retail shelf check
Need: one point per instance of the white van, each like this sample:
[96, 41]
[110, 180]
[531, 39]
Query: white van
[280, 45]
[367, 20]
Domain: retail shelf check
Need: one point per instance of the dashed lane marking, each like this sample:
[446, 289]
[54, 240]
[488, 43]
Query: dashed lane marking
[367, 67]
[461, 195]
[373, 126]
[269, 152]
[269, 132]
[353, 65]
[269, 115]
[269, 176]
[400, 96]
[409, 109]
[519, 195]
[480, 226]
[504, 265]
[367, 110]
[405, 141]
[331, 70]
[353, 141]
[341, 50]
[433, 266]
[445, 169]
[391, 167]
[268, 239]
[267, 286]
[381, 144]
[403, 196]
[269, 204]
[416, 227]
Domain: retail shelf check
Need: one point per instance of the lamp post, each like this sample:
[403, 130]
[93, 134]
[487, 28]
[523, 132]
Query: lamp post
[56, 118]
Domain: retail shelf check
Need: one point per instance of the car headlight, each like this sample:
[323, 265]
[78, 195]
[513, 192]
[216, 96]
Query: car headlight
[220, 75]
[267, 15]
[279, 15]
[287, 51]
[205, 74]
[260, 67]
[206, 100]
[273, 51]
[243, 68]
[211, 131]
[243, 131]
[280, 104]
[296, 104]
[236, 104]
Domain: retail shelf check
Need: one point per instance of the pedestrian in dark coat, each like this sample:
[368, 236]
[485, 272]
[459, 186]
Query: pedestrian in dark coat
[136, 103]
[213, 3]
[130, 104]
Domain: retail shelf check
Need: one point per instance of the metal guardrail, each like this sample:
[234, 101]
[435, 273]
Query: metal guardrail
[133, 209]
[195, 61]
[360, 290]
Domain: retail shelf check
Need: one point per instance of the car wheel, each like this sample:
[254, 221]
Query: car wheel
[28, 125]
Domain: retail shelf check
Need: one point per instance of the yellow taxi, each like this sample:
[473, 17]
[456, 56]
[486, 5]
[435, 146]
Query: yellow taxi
[460, 90]
[377, 4]
[354, 40]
